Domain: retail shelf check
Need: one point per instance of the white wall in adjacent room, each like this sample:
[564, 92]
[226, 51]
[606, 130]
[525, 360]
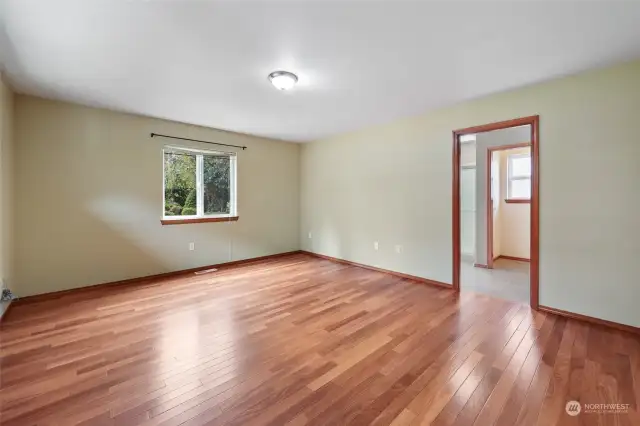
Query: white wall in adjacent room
[515, 219]
[484, 141]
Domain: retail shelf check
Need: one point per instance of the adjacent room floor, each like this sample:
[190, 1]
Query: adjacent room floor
[509, 279]
[299, 340]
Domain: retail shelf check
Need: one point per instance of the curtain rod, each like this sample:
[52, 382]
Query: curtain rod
[196, 140]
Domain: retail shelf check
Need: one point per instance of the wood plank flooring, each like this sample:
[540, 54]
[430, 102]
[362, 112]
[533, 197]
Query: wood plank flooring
[305, 341]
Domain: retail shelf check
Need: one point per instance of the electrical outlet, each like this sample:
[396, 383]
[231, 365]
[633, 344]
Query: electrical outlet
[309, 234]
[398, 248]
[192, 246]
[375, 245]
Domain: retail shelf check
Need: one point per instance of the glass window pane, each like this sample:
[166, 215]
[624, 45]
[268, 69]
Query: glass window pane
[217, 185]
[179, 184]
[520, 166]
[521, 188]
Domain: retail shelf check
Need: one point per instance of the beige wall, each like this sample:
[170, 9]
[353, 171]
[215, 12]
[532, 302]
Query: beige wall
[392, 183]
[514, 219]
[89, 198]
[6, 193]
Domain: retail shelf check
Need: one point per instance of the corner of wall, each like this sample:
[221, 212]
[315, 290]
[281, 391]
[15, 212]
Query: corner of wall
[299, 193]
[303, 219]
[6, 182]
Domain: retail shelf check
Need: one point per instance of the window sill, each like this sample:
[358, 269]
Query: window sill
[517, 201]
[199, 220]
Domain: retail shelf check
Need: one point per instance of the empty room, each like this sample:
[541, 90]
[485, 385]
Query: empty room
[355, 212]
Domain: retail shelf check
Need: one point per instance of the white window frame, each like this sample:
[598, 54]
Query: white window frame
[511, 177]
[200, 154]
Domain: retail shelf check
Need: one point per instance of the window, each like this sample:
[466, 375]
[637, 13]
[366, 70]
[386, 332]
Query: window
[199, 185]
[519, 184]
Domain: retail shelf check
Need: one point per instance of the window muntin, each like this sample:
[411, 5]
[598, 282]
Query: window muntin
[198, 184]
[519, 174]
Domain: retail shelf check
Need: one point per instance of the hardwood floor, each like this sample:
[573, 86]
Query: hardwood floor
[305, 341]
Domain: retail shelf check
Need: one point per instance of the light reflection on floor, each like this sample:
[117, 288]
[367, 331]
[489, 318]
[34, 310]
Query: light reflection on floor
[182, 339]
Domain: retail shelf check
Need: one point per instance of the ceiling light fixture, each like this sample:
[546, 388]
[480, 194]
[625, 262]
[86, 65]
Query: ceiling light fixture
[283, 80]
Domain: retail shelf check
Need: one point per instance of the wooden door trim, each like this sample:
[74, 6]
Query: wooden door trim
[534, 123]
[516, 258]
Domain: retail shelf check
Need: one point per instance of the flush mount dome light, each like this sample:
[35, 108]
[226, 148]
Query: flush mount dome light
[283, 80]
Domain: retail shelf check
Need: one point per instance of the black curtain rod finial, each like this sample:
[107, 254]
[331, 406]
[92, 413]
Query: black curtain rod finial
[197, 140]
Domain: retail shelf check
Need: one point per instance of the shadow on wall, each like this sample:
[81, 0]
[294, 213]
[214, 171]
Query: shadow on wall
[139, 224]
[167, 245]
[92, 253]
[129, 243]
[215, 242]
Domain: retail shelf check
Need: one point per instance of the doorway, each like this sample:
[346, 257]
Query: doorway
[473, 239]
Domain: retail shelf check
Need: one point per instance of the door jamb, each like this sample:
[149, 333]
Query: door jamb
[534, 272]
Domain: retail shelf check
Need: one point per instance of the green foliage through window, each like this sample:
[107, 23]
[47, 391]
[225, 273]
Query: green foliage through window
[180, 186]
[179, 181]
[217, 185]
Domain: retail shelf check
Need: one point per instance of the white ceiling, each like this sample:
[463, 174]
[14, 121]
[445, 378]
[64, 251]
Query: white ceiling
[360, 62]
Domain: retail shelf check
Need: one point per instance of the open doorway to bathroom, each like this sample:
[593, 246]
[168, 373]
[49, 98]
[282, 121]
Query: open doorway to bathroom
[495, 210]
